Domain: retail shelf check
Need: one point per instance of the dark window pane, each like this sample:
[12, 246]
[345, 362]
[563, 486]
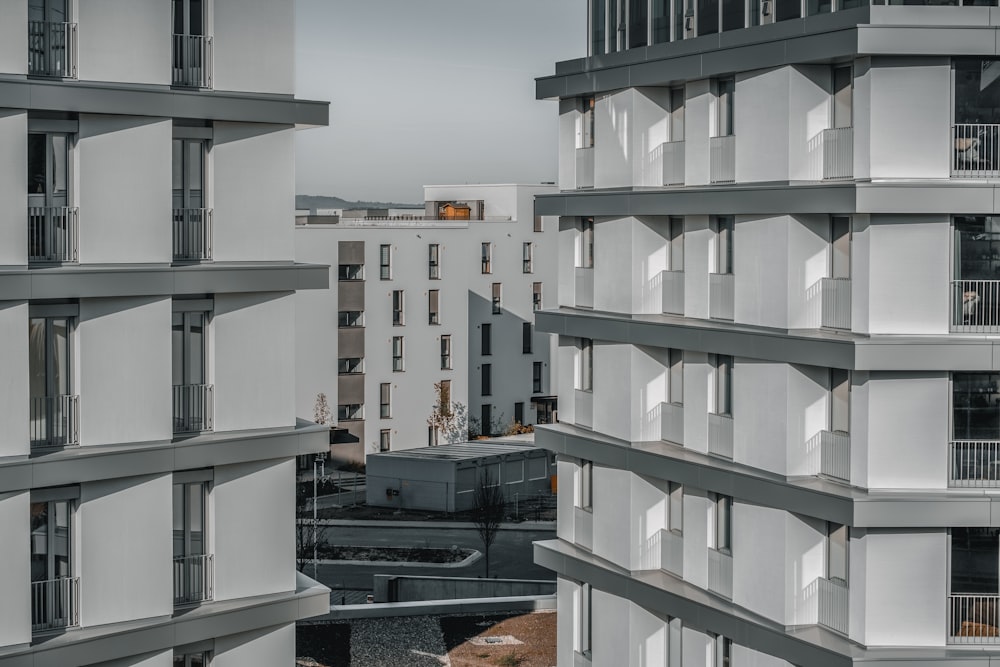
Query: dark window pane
[597, 27]
[787, 9]
[974, 559]
[661, 21]
[708, 17]
[637, 23]
[36, 164]
[733, 12]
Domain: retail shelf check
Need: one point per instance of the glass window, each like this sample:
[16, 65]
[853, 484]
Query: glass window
[487, 258]
[487, 378]
[350, 412]
[188, 174]
[679, 18]
[384, 440]
[350, 365]
[536, 296]
[385, 262]
[723, 523]
[586, 494]
[837, 545]
[51, 543]
[585, 135]
[486, 334]
[536, 377]
[677, 114]
[350, 318]
[708, 17]
[527, 257]
[52, 417]
[974, 560]
[723, 370]
[48, 177]
[397, 353]
[385, 400]
[351, 272]
[433, 309]
[526, 337]
[638, 20]
[192, 659]
[189, 348]
[977, 264]
[976, 406]
[724, 227]
[787, 9]
[397, 308]
[539, 227]
[486, 419]
[616, 25]
[843, 94]
[733, 14]
[497, 296]
[586, 251]
[661, 21]
[814, 7]
[434, 261]
[585, 372]
[598, 27]
[725, 107]
[676, 240]
[445, 352]
[675, 378]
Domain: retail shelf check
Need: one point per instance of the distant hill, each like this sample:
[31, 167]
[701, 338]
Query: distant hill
[322, 201]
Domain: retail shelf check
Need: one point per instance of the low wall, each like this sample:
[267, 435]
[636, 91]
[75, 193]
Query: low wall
[347, 612]
[410, 588]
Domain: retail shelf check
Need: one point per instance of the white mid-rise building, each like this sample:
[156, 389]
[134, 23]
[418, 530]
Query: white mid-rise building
[778, 316]
[147, 283]
[447, 295]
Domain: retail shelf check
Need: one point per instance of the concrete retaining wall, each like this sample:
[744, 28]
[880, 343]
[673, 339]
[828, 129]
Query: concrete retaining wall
[392, 588]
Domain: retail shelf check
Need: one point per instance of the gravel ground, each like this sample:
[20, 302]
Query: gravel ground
[398, 642]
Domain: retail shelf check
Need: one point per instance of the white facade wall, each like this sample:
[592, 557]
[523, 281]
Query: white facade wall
[127, 41]
[15, 613]
[250, 45]
[13, 179]
[270, 646]
[14, 404]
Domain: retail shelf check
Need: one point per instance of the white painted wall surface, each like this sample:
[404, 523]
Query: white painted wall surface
[698, 388]
[252, 191]
[648, 517]
[565, 524]
[610, 627]
[569, 118]
[125, 41]
[696, 133]
[760, 410]
[697, 527]
[808, 116]
[762, 125]
[759, 540]
[747, 657]
[648, 128]
[124, 370]
[124, 186]
[566, 248]
[698, 260]
[613, 115]
[315, 353]
[14, 39]
[253, 535]
[908, 430]
[861, 273]
[254, 366]
[899, 613]
[649, 367]
[862, 118]
[860, 426]
[270, 646]
[125, 566]
[613, 269]
[15, 576]
[808, 262]
[13, 176]
[253, 42]
[564, 381]
[805, 561]
[612, 389]
[648, 257]
[647, 638]
[761, 268]
[697, 648]
[14, 393]
[611, 502]
[807, 414]
[566, 593]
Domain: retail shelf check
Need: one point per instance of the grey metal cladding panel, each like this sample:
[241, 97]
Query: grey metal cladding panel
[351, 252]
[312, 113]
[82, 468]
[15, 287]
[945, 197]
[570, 66]
[822, 46]
[919, 513]
[921, 40]
[667, 71]
[200, 280]
[351, 342]
[15, 94]
[351, 295]
[550, 205]
[312, 276]
[350, 389]
[70, 283]
[743, 58]
[928, 357]
[548, 88]
[235, 450]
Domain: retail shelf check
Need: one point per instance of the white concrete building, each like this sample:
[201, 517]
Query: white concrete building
[147, 283]
[778, 312]
[446, 296]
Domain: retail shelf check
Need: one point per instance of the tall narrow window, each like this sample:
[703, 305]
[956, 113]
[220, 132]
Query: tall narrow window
[638, 19]
[384, 440]
[723, 372]
[192, 393]
[350, 272]
[681, 8]
[723, 651]
[434, 261]
[497, 295]
[840, 246]
[536, 296]
[51, 222]
[586, 249]
[585, 370]
[975, 567]
[723, 523]
[675, 378]
[350, 365]
[486, 418]
[385, 262]
[586, 620]
[585, 497]
[486, 336]
[585, 128]
[50, 49]
[725, 107]
[192, 567]
[708, 17]
[526, 337]
[661, 21]
[350, 411]
[198, 659]
[733, 14]
[724, 227]
[433, 311]
[843, 94]
[397, 353]
[837, 552]
[527, 257]
[53, 590]
[191, 223]
[519, 412]
[536, 377]
[191, 55]
[53, 407]
[676, 242]
[445, 352]
[385, 400]
[487, 379]
[598, 27]
[538, 226]
[675, 515]
[445, 396]
[397, 308]
[348, 319]
[487, 257]
[677, 114]
[840, 400]
[787, 9]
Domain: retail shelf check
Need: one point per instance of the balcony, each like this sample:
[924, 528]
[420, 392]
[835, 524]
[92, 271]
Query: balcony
[672, 422]
[53, 234]
[721, 296]
[976, 151]
[584, 287]
[673, 162]
[974, 464]
[585, 167]
[722, 159]
[838, 154]
[55, 603]
[193, 579]
[973, 619]
[583, 527]
[194, 408]
[831, 452]
[52, 49]
[720, 573]
[672, 552]
[54, 421]
[720, 435]
[975, 306]
[192, 61]
[836, 298]
[673, 291]
[832, 604]
[192, 234]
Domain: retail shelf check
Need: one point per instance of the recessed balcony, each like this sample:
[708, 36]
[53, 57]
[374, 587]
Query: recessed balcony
[194, 408]
[192, 61]
[722, 159]
[721, 296]
[831, 451]
[832, 599]
[976, 150]
[720, 573]
[53, 234]
[672, 288]
[54, 421]
[975, 306]
[192, 234]
[974, 463]
[55, 603]
[193, 579]
[52, 49]
[973, 619]
[672, 153]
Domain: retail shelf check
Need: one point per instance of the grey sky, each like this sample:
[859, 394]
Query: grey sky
[429, 92]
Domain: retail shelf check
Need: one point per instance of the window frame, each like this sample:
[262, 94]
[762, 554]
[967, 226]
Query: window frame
[486, 265]
[497, 298]
[398, 355]
[446, 352]
[527, 257]
[385, 400]
[434, 261]
[385, 261]
[398, 308]
[434, 307]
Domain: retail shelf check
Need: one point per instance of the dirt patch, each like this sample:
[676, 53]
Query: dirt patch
[329, 645]
[536, 630]
[394, 554]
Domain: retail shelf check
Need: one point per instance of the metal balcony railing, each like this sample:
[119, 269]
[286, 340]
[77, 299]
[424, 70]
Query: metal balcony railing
[835, 454]
[53, 234]
[720, 573]
[672, 552]
[975, 150]
[720, 435]
[721, 296]
[192, 234]
[673, 163]
[52, 49]
[973, 619]
[974, 463]
[193, 579]
[838, 153]
[54, 421]
[975, 306]
[836, 303]
[583, 527]
[584, 287]
[672, 422]
[55, 603]
[192, 61]
[673, 292]
[194, 408]
[832, 599]
[722, 159]
[584, 167]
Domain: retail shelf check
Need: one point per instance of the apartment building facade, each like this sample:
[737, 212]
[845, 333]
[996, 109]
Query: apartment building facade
[147, 283]
[777, 313]
[447, 296]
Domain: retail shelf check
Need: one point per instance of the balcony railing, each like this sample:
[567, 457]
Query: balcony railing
[54, 421]
[585, 167]
[720, 573]
[192, 234]
[838, 153]
[833, 451]
[975, 150]
[974, 463]
[194, 408]
[832, 599]
[721, 295]
[52, 49]
[973, 619]
[673, 163]
[193, 579]
[52, 234]
[192, 64]
[975, 306]
[55, 603]
[720, 435]
[673, 292]
[836, 303]
[672, 552]
[583, 527]
[672, 422]
[722, 159]
[584, 287]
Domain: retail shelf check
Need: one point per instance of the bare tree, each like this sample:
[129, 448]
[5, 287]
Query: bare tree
[307, 536]
[321, 410]
[487, 512]
[448, 419]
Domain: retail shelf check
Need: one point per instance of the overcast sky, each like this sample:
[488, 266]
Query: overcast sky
[429, 92]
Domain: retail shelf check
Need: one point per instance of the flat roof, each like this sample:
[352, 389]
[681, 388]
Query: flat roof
[464, 451]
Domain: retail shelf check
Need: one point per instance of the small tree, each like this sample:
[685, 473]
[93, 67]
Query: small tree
[449, 419]
[321, 411]
[307, 536]
[487, 513]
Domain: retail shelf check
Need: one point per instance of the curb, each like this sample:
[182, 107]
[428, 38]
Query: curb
[458, 525]
[468, 560]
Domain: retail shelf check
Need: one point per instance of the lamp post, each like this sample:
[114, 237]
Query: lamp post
[318, 469]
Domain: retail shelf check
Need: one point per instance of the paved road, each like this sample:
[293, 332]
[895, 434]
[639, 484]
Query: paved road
[510, 555]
